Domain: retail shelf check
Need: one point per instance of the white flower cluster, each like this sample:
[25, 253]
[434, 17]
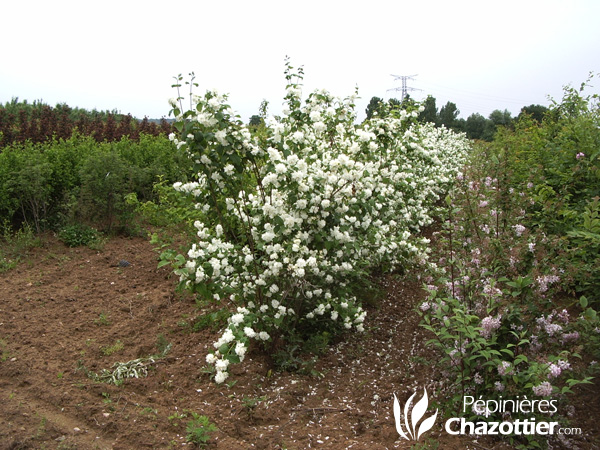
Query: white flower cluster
[290, 220]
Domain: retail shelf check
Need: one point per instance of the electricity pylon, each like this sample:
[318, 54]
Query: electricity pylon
[404, 87]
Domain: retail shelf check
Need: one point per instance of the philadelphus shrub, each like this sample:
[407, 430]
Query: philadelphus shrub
[294, 216]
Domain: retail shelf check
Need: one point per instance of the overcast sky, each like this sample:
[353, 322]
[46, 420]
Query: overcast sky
[122, 55]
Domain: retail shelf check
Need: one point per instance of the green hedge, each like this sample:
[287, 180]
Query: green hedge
[46, 185]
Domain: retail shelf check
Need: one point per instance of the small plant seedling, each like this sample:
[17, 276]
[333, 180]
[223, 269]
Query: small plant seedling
[148, 411]
[102, 319]
[4, 352]
[109, 350]
[107, 398]
[250, 404]
[176, 418]
[41, 428]
[199, 429]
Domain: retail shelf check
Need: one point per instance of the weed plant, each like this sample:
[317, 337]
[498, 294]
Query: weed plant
[199, 429]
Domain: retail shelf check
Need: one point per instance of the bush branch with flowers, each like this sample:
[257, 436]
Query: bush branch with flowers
[509, 261]
[292, 219]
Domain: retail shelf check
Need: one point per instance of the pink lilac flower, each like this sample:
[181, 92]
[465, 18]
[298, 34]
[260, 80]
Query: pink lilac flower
[529, 185]
[580, 155]
[544, 280]
[478, 379]
[481, 410]
[498, 386]
[519, 229]
[564, 365]
[505, 368]
[554, 371]
[535, 344]
[454, 357]
[546, 324]
[492, 291]
[570, 337]
[543, 390]
[489, 324]
[553, 328]
[563, 316]
[483, 203]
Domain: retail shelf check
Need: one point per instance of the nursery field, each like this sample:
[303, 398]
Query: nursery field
[63, 309]
[304, 282]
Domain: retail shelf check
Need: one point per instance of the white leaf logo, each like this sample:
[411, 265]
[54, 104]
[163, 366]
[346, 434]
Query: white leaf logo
[416, 414]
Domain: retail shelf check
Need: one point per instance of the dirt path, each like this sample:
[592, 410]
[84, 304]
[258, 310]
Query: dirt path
[64, 309]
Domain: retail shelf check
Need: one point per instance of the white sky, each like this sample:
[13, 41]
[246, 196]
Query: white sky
[482, 55]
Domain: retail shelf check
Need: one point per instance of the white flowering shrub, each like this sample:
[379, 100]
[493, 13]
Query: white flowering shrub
[294, 218]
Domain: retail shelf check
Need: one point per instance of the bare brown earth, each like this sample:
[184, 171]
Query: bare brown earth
[66, 308]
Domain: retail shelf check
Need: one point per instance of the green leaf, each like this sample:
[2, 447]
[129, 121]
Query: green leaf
[163, 263]
[519, 359]
[508, 352]
[223, 349]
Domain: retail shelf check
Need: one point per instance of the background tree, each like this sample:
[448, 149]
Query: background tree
[501, 118]
[475, 126]
[537, 112]
[449, 116]
[255, 120]
[374, 107]
[378, 106]
[395, 103]
[430, 113]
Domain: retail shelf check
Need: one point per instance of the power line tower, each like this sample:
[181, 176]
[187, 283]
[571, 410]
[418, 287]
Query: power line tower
[404, 88]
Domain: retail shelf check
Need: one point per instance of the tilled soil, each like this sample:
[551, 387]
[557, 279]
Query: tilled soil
[66, 313]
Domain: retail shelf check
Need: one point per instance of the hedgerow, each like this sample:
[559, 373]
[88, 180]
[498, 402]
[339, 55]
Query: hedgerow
[291, 221]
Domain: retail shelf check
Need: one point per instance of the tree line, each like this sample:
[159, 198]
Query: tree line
[476, 126]
[38, 122]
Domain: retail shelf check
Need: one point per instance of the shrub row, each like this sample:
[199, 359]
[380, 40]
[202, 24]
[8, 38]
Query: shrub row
[45, 185]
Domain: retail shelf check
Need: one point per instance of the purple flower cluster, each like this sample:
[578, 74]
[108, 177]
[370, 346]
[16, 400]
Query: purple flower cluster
[543, 390]
[519, 229]
[489, 324]
[555, 369]
[505, 368]
[545, 280]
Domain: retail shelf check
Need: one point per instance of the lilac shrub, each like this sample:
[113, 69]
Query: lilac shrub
[494, 295]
